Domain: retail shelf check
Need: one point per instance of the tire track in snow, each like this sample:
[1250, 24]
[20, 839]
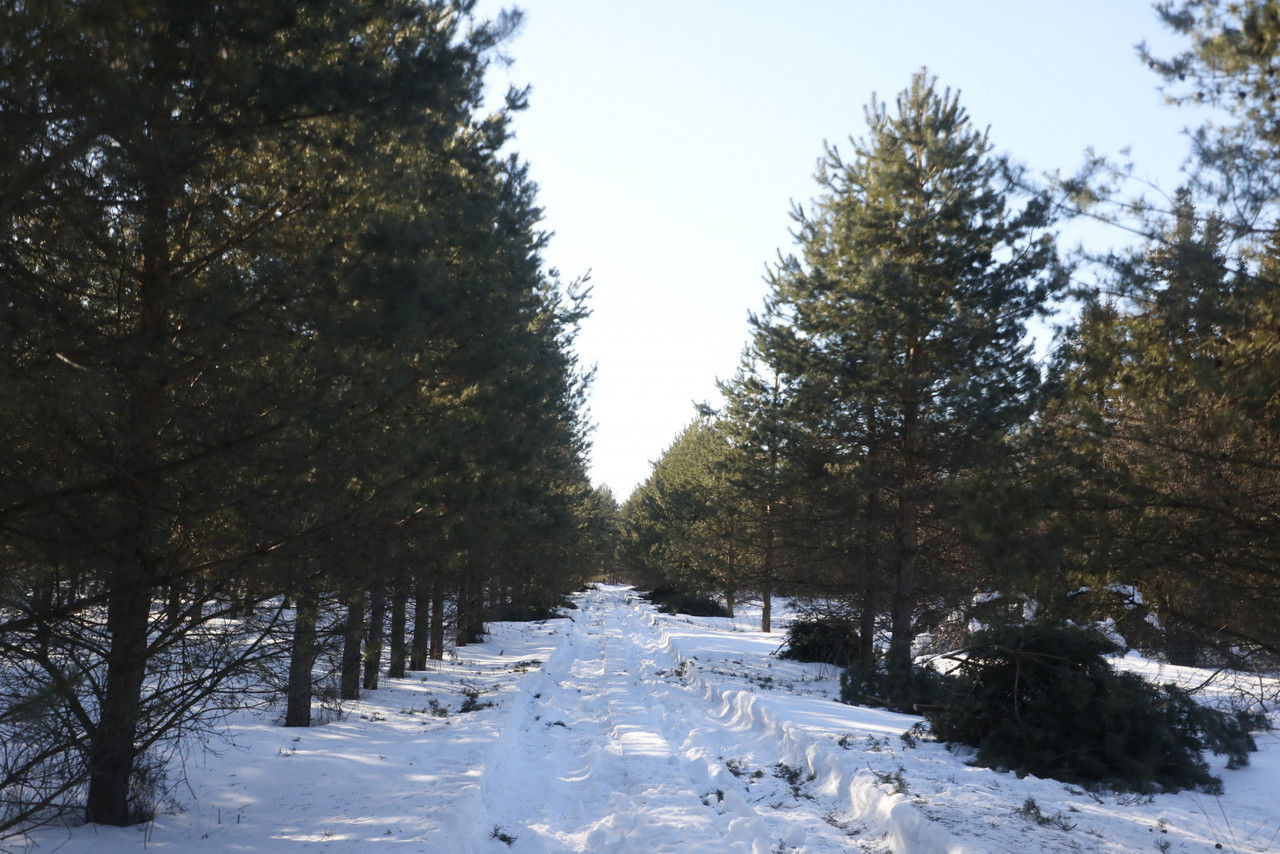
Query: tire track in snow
[854, 791]
[763, 788]
[579, 769]
[609, 750]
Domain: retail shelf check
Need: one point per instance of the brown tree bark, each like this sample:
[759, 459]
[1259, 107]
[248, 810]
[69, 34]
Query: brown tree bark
[731, 579]
[470, 610]
[375, 634]
[302, 657]
[902, 632]
[437, 619]
[396, 641]
[906, 524]
[422, 627]
[461, 613]
[867, 622]
[766, 578]
[352, 635]
[111, 743]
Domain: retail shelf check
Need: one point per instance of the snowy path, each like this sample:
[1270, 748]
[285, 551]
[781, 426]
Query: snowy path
[621, 730]
[610, 752]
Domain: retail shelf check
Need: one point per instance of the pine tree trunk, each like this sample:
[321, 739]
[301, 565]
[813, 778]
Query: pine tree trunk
[907, 534]
[199, 596]
[42, 608]
[904, 590]
[238, 606]
[867, 622]
[872, 519]
[766, 582]
[374, 636]
[1180, 644]
[173, 604]
[399, 606]
[112, 750]
[352, 635]
[421, 624]
[475, 619]
[111, 743]
[437, 619]
[730, 589]
[470, 621]
[302, 658]
[461, 615]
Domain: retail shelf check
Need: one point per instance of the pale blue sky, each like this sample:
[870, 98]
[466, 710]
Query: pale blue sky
[669, 139]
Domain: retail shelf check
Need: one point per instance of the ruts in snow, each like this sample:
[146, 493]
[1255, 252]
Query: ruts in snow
[609, 750]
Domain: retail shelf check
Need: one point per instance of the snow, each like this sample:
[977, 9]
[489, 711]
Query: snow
[618, 729]
[1131, 595]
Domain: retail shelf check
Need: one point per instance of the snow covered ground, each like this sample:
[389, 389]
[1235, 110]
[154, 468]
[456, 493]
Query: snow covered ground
[621, 730]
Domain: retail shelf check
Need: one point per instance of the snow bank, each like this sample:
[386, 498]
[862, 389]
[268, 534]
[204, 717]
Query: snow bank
[906, 827]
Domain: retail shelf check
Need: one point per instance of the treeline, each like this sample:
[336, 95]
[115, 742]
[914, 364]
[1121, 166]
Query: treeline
[281, 360]
[891, 448]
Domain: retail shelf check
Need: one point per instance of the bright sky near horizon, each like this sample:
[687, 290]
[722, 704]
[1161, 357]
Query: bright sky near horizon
[670, 138]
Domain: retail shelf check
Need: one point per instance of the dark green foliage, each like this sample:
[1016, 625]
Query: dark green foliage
[829, 640]
[532, 610]
[1162, 449]
[682, 527]
[471, 701]
[897, 331]
[1043, 699]
[1164, 632]
[1226, 734]
[794, 776]
[919, 688]
[1031, 811]
[671, 601]
[1167, 425]
[756, 422]
[1228, 59]
[276, 317]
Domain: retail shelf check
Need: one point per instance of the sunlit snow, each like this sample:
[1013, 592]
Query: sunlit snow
[620, 730]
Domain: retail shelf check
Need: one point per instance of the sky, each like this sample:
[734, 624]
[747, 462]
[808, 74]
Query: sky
[669, 141]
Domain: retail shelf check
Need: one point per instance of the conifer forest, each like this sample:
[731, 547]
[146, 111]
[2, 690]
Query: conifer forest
[295, 445]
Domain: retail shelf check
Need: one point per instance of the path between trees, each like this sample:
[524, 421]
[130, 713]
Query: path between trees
[621, 730]
[610, 747]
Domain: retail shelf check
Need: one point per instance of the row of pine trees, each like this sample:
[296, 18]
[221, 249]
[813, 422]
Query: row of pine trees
[282, 366]
[894, 444]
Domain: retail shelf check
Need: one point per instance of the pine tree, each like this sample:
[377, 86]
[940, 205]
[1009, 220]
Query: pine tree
[1169, 410]
[684, 527]
[901, 326]
[1230, 64]
[1162, 446]
[194, 211]
[755, 423]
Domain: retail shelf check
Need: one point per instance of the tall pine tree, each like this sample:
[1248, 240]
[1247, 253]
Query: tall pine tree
[210, 304]
[900, 326]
